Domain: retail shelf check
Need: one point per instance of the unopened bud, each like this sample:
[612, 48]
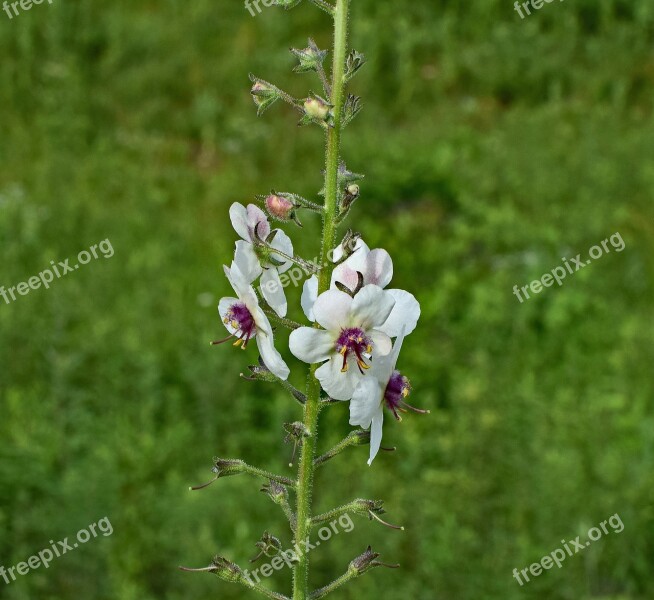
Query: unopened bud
[226, 570]
[365, 562]
[350, 195]
[224, 467]
[279, 207]
[263, 93]
[276, 491]
[316, 108]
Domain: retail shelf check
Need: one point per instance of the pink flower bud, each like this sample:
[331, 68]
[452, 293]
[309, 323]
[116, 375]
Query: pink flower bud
[316, 108]
[279, 207]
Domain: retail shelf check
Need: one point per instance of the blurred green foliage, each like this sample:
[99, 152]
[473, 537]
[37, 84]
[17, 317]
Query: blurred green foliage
[492, 148]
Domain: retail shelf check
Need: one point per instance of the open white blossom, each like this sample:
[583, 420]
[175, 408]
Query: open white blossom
[376, 267]
[245, 320]
[255, 259]
[351, 336]
[386, 386]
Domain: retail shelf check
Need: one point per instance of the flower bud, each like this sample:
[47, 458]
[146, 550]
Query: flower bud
[263, 93]
[226, 570]
[224, 467]
[276, 491]
[316, 108]
[365, 562]
[310, 58]
[279, 207]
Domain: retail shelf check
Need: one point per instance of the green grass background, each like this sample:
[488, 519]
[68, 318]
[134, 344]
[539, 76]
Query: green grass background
[492, 147]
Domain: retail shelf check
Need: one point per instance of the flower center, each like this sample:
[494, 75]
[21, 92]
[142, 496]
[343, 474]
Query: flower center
[241, 319]
[397, 390]
[354, 341]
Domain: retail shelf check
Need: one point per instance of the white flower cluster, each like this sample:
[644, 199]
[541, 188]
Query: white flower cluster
[358, 317]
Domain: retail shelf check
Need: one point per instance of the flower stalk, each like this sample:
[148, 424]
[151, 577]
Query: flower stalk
[312, 407]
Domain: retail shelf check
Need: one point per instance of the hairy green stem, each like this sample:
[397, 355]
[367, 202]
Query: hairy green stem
[312, 406]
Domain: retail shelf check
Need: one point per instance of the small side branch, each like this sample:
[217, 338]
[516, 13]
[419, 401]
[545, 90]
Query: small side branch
[328, 8]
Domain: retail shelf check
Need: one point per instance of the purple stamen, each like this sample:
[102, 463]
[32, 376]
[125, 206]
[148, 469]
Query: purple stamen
[354, 341]
[240, 318]
[397, 390]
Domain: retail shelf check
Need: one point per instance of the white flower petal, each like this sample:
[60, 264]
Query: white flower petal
[223, 308]
[245, 220]
[405, 314]
[257, 217]
[332, 309]
[371, 306]
[361, 250]
[238, 215]
[246, 260]
[365, 402]
[309, 296]
[379, 268]
[311, 345]
[237, 280]
[381, 343]
[284, 244]
[265, 342]
[395, 354]
[273, 292]
[340, 386]
[376, 434]
[346, 275]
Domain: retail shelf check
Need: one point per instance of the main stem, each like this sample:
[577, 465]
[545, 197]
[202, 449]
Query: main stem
[312, 406]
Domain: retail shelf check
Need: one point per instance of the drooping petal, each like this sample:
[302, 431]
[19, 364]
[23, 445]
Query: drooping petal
[339, 385]
[309, 296]
[273, 291]
[365, 402]
[245, 258]
[376, 434]
[379, 268]
[311, 345]
[332, 309]
[371, 307]
[381, 343]
[395, 354]
[283, 243]
[223, 308]
[404, 316]
[237, 280]
[265, 342]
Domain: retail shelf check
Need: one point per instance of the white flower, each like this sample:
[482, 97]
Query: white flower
[254, 259]
[310, 287]
[376, 267]
[352, 335]
[244, 319]
[386, 386]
